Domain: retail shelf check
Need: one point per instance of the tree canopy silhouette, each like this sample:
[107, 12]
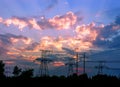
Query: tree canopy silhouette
[16, 71]
[27, 73]
[2, 65]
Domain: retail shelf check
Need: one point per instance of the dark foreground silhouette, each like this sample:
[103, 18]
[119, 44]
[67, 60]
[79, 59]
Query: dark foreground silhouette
[25, 79]
[74, 80]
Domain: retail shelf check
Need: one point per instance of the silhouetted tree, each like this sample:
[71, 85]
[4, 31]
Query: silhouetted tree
[27, 73]
[16, 71]
[83, 77]
[2, 69]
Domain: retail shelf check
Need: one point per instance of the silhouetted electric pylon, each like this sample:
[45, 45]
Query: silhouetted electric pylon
[100, 67]
[84, 60]
[76, 62]
[70, 65]
[43, 71]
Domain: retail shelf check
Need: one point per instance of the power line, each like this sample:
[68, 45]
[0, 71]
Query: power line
[104, 61]
[101, 65]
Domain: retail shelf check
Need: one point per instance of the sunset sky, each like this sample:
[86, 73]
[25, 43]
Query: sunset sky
[28, 26]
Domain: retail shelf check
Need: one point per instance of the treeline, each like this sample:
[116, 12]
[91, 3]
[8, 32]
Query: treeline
[17, 72]
[21, 78]
[73, 80]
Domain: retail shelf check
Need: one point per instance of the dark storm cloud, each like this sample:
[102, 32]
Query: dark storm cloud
[5, 39]
[115, 43]
[117, 21]
[109, 35]
[6, 42]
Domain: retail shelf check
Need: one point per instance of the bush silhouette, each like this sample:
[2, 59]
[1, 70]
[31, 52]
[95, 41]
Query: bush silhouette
[27, 73]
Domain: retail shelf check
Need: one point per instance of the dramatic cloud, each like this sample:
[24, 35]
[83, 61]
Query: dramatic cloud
[85, 37]
[9, 43]
[63, 22]
[109, 35]
[57, 22]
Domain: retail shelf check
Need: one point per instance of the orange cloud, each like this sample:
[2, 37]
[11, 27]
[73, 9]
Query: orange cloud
[34, 25]
[17, 22]
[24, 40]
[9, 62]
[64, 22]
[83, 40]
[58, 63]
[1, 19]
[57, 22]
